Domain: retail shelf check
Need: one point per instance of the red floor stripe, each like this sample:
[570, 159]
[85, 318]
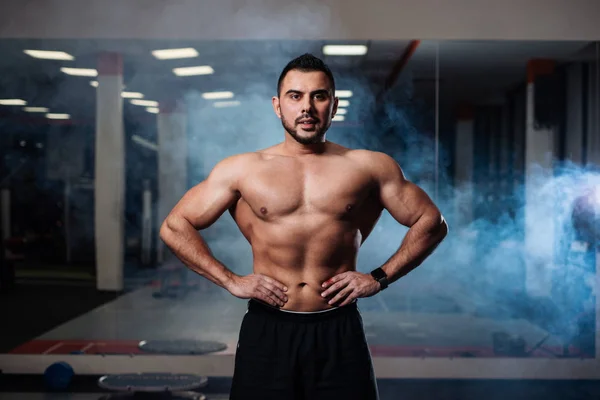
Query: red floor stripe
[131, 347]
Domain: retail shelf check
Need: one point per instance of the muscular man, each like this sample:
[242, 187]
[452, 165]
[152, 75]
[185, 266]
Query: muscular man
[305, 205]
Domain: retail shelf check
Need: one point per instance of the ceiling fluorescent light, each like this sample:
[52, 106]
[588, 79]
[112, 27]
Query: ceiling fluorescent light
[344, 50]
[189, 71]
[132, 95]
[341, 111]
[36, 109]
[153, 110]
[343, 103]
[171, 54]
[144, 143]
[12, 102]
[343, 93]
[49, 55]
[57, 116]
[338, 118]
[217, 95]
[222, 104]
[79, 71]
[145, 103]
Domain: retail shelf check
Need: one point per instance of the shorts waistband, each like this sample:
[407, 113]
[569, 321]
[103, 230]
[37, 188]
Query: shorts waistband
[255, 306]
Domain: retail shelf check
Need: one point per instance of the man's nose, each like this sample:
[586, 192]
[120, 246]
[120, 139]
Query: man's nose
[307, 105]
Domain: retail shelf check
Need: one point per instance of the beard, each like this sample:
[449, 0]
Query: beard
[317, 134]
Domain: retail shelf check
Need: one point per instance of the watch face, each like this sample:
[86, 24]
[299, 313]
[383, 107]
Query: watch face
[378, 274]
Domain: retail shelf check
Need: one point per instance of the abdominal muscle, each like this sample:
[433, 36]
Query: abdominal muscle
[304, 286]
[303, 270]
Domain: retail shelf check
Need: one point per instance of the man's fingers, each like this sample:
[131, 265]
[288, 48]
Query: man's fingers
[341, 295]
[334, 279]
[349, 299]
[269, 296]
[272, 281]
[334, 288]
[276, 291]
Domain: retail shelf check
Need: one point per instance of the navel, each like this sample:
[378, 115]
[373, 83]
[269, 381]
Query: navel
[263, 210]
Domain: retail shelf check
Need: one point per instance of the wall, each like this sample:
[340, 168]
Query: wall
[311, 19]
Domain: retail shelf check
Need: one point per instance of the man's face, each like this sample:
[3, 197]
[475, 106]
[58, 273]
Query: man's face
[306, 105]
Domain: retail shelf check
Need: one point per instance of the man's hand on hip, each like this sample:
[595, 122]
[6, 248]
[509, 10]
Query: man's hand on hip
[348, 286]
[260, 287]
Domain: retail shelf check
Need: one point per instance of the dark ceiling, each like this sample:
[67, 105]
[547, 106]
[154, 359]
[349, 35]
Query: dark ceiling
[474, 71]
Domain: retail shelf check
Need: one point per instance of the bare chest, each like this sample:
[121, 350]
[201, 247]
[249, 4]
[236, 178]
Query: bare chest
[277, 190]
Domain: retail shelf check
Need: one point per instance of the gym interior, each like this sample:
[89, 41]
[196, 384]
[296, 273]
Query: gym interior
[111, 111]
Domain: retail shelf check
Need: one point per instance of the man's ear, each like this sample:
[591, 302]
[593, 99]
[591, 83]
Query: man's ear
[335, 106]
[276, 106]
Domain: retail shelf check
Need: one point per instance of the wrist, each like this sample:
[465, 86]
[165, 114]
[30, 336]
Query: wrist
[229, 281]
[381, 278]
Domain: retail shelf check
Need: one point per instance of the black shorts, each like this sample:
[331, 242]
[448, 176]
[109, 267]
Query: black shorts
[292, 356]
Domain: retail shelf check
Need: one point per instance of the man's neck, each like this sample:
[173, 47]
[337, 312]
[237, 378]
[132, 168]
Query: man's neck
[293, 148]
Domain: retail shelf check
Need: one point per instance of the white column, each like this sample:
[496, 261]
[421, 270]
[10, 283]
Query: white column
[110, 174]
[539, 228]
[172, 162]
[463, 167]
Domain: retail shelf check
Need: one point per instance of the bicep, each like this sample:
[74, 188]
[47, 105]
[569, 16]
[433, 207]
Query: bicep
[203, 204]
[405, 201]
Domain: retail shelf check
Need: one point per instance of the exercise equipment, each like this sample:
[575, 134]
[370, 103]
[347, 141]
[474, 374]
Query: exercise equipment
[58, 376]
[152, 385]
[181, 347]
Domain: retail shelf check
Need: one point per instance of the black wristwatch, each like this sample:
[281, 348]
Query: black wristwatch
[381, 277]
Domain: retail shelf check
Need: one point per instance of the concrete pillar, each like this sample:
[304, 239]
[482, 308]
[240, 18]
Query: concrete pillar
[110, 174]
[539, 157]
[463, 166]
[172, 162]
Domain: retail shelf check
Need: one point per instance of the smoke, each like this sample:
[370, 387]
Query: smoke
[490, 267]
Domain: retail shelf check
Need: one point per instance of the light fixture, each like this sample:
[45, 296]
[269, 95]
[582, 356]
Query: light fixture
[344, 50]
[223, 104]
[189, 71]
[338, 118]
[341, 111]
[217, 95]
[94, 83]
[144, 143]
[343, 93]
[343, 103]
[36, 109]
[171, 54]
[79, 71]
[57, 116]
[132, 95]
[49, 55]
[153, 110]
[145, 103]
[12, 102]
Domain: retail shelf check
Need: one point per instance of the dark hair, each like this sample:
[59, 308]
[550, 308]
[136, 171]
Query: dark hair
[306, 63]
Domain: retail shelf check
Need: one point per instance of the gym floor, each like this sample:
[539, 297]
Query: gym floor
[55, 318]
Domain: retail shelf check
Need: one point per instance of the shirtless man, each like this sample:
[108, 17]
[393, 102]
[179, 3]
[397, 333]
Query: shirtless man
[305, 205]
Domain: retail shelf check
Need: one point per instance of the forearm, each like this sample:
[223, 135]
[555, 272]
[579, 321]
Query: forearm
[420, 241]
[189, 246]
